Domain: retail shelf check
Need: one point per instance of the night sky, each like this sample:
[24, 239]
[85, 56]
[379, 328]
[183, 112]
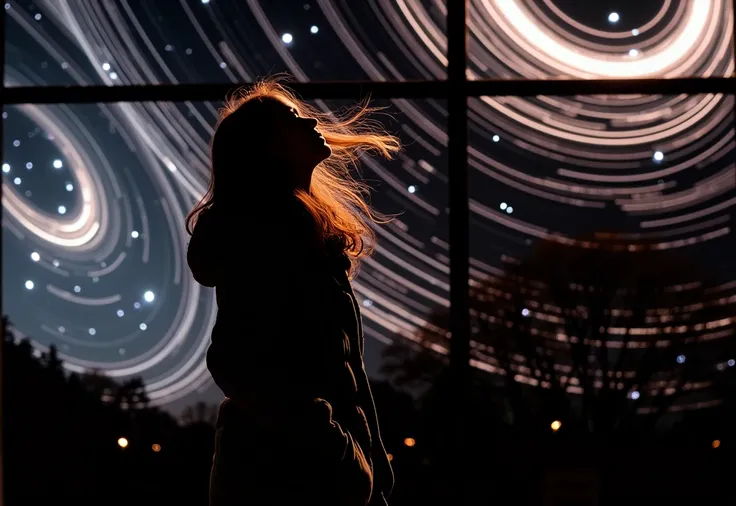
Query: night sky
[94, 196]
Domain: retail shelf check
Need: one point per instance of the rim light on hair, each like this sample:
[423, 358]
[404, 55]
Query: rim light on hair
[336, 200]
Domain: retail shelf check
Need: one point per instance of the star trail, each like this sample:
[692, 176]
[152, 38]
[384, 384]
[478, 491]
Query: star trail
[94, 196]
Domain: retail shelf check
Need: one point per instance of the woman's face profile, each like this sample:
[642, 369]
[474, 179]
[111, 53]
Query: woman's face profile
[286, 146]
[294, 141]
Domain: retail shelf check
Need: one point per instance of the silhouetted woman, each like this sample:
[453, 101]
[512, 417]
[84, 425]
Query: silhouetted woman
[279, 233]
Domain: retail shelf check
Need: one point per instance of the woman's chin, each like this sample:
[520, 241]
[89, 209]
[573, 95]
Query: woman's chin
[325, 152]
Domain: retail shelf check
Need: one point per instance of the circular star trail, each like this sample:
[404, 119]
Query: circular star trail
[94, 196]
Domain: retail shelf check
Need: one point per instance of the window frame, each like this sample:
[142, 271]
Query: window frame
[456, 89]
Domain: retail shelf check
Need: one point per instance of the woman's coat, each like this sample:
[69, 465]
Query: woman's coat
[299, 422]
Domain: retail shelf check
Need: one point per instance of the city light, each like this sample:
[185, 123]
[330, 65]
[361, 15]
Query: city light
[716, 443]
[156, 448]
[122, 442]
[410, 442]
[555, 426]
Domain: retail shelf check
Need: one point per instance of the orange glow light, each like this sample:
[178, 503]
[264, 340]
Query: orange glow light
[716, 443]
[122, 442]
[390, 457]
[556, 425]
[409, 442]
[156, 448]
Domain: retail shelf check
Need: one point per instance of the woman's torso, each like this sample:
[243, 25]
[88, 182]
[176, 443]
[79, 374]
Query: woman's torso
[312, 296]
[322, 291]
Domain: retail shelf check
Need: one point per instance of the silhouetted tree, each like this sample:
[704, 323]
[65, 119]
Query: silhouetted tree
[60, 437]
[99, 385]
[131, 394]
[602, 336]
[200, 413]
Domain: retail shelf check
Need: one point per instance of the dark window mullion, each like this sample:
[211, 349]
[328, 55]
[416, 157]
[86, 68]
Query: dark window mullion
[376, 89]
[457, 132]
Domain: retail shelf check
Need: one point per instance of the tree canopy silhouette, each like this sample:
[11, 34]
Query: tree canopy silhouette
[61, 432]
[603, 336]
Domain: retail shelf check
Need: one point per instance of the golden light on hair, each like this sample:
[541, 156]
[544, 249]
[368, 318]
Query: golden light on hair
[336, 200]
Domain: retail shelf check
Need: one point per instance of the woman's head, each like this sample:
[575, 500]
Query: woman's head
[267, 132]
[268, 142]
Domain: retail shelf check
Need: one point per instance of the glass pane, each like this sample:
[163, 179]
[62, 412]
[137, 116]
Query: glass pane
[600, 40]
[93, 242]
[215, 41]
[603, 287]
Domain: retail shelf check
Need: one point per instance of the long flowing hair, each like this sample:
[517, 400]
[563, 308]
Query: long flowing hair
[336, 200]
